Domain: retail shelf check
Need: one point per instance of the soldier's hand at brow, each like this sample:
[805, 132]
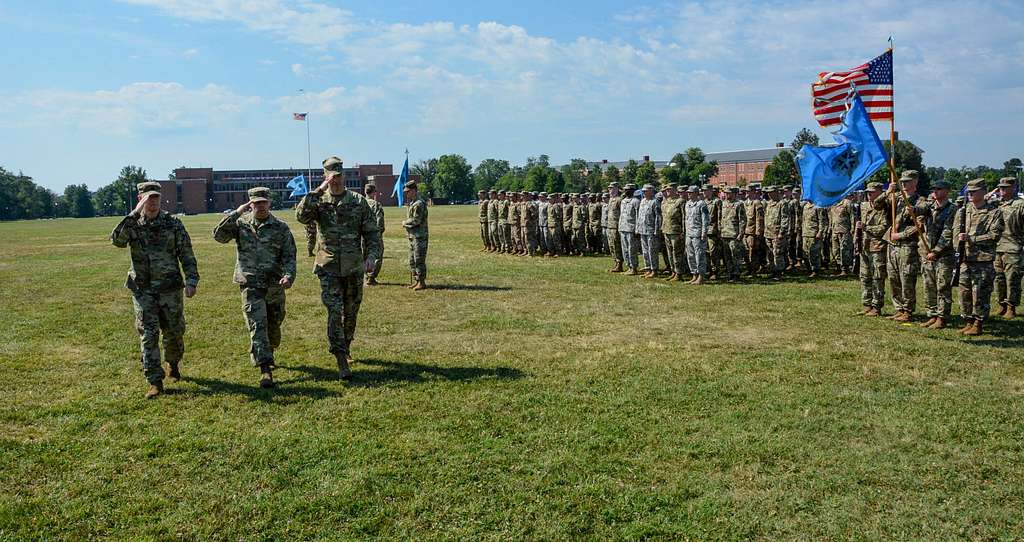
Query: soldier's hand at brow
[190, 291]
[138, 207]
[244, 207]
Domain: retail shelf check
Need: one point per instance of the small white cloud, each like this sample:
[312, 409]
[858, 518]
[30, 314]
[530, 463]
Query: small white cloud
[298, 70]
[190, 53]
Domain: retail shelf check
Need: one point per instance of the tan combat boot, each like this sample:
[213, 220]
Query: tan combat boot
[699, 280]
[864, 312]
[929, 322]
[174, 373]
[1011, 312]
[155, 389]
[902, 317]
[873, 312]
[1002, 309]
[420, 285]
[617, 268]
[266, 378]
[967, 326]
[631, 272]
[371, 282]
[939, 323]
[974, 330]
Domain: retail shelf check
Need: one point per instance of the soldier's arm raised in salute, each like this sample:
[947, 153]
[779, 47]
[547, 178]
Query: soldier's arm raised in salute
[307, 210]
[125, 230]
[227, 229]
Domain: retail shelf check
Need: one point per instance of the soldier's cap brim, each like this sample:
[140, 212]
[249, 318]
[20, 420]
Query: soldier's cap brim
[258, 198]
[145, 195]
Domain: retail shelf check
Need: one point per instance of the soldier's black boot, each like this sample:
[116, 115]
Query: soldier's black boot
[344, 372]
[266, 377]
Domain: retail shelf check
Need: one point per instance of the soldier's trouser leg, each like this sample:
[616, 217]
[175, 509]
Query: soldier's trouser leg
[842, 251]
[777, 251]
[648, 249]
[753, 263]
[1008, 278]
[697, 255]
[156, 314]
[931, 292]
[495, 236]
[734, 251]
[377, 263]
[507, 232]
[976, 282]
[264, 310]
[310, 238]
[714, 254]
[485, 235]
[531, 241]
[904, 267]
[615, 245]
[628, 249]
[812, 253]
[872, 279]
[342, 297]
[418, 258]
[938, 287]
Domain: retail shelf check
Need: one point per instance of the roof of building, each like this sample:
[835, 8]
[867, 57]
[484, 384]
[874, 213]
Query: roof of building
[753, 155]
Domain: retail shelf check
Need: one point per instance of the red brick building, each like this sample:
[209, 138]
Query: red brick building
[204, 190]
[733, 166]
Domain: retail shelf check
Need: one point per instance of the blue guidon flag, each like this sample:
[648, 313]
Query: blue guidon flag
[828, 174]
[398, 192]
[298, 186]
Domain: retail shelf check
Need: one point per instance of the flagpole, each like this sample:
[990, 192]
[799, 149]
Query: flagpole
[309, 156]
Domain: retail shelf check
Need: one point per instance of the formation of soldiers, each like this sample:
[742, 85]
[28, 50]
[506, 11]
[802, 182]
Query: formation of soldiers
[878, 234]
[348, 251]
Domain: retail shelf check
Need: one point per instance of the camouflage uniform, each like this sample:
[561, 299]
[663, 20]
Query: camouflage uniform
[1009, 263]
[732, 225]
[542, 226]
[840, 226]
[568, 218]
[266, 254]
[555, 225]
[983, 227]
[310, 239]
[697, 222]
[627, 231]
[938, 274]
[580, 227]
[715, 251]
[492, 223]
[673, 233]
[416, 229]
[753, 235]
[614, 207]
[515, 221]
[347, 235]
[873, 257]
[648, 226]
[160, 250]
[503, 225]
[485, 230]
[530, 218]
[594, 226]
[777, 223]
[814, 225]
[904, 259]
[378, 215]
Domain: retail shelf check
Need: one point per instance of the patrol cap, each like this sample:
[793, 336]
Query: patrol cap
[692, 189]
[409, 185]
[1006, 182]
[630, 186]
[481, 191]
[148, 188]
[673, 186]
[743, 189]
[708, 186]
[493, 191]
[976, 184]
[773, 188]
[875, 187]
[260, 193]
[733, 189]
[544, 194]
[787, 187]
[333, 164]
[613, 185]
[648, 186]
[909, 175]
[755, 186]
[940, 184]
[502, 192]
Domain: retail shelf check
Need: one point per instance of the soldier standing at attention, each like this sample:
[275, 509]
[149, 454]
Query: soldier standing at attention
[753, 234]
[672, 231]
[714, 234]
[979, 226]
[871, 226]
[378, 215]
[264, 269]
[614, 240]
[777, 223]
[530, 219]
[814, 225]
[555, 224]
[542, 224]
[485, 231]
[733, 223]
[416, 228]
[515, 223]
[627, 228]
[904, 259]
[697, 225]
[840, 226]
[160, 250]
[580, 225]
[594, 224]
[1009, 264]
[348, 242]
[492, 221]
[503, 224]
[940, 261]
[648, 227]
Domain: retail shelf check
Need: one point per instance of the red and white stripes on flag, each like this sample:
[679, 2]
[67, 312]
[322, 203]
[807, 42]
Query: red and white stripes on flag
[873, 81]
[299, 116]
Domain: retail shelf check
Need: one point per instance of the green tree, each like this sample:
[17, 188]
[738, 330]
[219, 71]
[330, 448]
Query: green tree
[79, 201]
[908, 156]
[554, 182]
[1011, 167]
[488, 172]
[673, 172]
[695, 169]
[595, 179]
[646, 174]
[803, 137]
[536, 178]
[21, 198]
[612, 175]
[427, 170]
[453, 178]
[119, 197]
[782, 170]
[629, 171]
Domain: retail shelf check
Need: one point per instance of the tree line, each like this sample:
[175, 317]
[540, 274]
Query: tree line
[21, 198]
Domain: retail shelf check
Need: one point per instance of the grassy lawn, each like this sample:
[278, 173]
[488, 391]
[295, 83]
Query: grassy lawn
[517, 399]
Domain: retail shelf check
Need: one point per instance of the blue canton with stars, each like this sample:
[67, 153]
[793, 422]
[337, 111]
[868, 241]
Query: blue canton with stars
[879, 70]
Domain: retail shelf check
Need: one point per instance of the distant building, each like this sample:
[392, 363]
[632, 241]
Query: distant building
[733, 166]
[204, 190]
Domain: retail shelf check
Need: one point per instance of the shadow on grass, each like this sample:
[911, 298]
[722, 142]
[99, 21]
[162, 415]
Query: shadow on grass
[999, 333]
[396, 372]
[469, 287]
[212, 386]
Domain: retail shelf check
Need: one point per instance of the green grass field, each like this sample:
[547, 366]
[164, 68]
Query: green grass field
[517, 399]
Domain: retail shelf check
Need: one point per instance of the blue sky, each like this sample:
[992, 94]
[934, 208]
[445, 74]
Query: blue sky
[89, 87]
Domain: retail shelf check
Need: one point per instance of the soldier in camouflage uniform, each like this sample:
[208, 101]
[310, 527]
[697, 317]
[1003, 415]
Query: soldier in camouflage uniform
[732, 225]
[348, 242]
[555, 224]
[840, 227]
[604, 223]
[613, 207]
[814, 225]
[580, 219]
[697, 223]
[530, 219]
[628, 208]
[979, 225]
[715, 253]
[542, 225]
[416, 228]
[753, 235]
[264, 269]
[1009, 261]
[777, 223]
[492, 221]
[937, 264]
[648, 226]
[904, 259]
[871, 226]
[378, 215]
[503, 224]
[160, 250]
[673, 233]
[594, 224]
[485, 230]
[515, 222]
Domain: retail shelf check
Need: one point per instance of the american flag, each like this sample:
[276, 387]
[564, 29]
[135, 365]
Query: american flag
[873, 82]
[299, 116]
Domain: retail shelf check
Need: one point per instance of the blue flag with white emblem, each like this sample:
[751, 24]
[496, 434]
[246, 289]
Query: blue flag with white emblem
[399, 191]
[298, 186]
[830, 173]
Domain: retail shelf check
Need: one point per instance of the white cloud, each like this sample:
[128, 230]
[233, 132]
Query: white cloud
[331, 101]
[130, 109]
[298, 70]
[190, 52]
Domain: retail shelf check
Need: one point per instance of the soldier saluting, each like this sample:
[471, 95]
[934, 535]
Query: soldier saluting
[160, 250]
[348, 242]
[264, 269]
